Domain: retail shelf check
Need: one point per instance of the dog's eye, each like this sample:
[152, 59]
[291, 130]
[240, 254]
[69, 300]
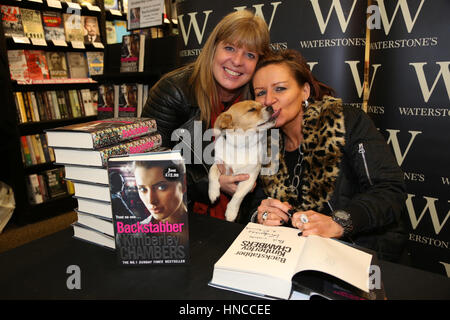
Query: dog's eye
[252, 110]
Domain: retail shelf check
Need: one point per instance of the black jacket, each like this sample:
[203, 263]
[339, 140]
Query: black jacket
[347, 165]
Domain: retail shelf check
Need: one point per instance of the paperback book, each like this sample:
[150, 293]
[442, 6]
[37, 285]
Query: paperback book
[77, 62]
[73, 28]
[32, 25]
[37, 65]
[106, 100]
[95, 62]
[57, 65]
[149, 207]
[132, 53]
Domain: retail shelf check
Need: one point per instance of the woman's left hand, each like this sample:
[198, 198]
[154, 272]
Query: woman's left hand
[318, 224]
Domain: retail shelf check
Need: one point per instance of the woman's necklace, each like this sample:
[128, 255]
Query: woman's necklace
[295, 181]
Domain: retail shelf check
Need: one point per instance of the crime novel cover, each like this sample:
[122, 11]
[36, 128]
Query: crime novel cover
[149, 206]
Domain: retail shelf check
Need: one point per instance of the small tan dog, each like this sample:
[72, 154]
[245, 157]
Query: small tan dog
[238, 147]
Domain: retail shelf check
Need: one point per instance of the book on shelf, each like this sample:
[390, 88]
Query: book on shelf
[99, 157]
[149, 207]
[106, 101]
[53, 24]
[46, 185]
[18, 66]
[32, 24]
[99, 133]
[57, 65]
[95, 62]
[77, 63]
[96, 207]
[56, 185]
[95, 222]
[91, 29]
[12, 21]
[132, 53]
[111, 4]
[73, 28]
[128, 100]
[37, 64]
[115, 30]
[93, 236]
[85, 97]
[262, 261]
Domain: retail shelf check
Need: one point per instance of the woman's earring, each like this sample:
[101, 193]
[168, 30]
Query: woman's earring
[305, 104]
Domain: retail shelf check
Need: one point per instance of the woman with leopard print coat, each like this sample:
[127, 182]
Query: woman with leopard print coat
[337, 176]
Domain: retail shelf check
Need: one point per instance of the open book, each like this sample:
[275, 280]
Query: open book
[262, 261]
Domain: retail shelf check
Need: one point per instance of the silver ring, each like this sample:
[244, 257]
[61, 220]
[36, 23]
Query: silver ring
[264, 215]
[304, 218]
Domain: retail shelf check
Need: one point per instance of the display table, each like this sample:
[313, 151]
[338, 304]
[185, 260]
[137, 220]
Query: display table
[38, 270]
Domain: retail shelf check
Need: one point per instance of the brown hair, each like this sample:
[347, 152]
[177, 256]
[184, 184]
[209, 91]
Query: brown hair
[240, 28]
[299, 67]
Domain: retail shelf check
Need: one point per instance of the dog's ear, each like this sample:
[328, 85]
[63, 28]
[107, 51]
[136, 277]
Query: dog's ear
[224, 121]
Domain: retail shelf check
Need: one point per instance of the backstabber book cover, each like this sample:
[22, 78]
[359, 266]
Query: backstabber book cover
[149, 208]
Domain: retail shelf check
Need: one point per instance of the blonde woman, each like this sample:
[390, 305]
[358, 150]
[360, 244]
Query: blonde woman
[202, 90]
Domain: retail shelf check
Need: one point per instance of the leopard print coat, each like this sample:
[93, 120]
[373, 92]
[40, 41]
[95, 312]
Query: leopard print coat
[322, 147]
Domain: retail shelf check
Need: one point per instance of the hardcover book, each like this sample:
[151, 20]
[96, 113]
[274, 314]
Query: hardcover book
[99, 157]
[106, 100]
[263, 260]
[12, 21]
[78, 67]
[57, 65]
[32, 24]
[132, 53]
[99, 133]
[53, 26]
[149, 207]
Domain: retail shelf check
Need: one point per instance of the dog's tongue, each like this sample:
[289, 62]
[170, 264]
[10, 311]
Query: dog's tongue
[275, 114]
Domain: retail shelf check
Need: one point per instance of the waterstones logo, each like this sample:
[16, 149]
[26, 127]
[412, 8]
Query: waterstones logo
[335, 7]
[394, 142]
[379, 15]
[430, 208]
[198, 26]
[444, 72]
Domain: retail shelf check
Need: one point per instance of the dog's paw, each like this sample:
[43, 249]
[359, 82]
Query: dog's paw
[231, 213]
[213, 191]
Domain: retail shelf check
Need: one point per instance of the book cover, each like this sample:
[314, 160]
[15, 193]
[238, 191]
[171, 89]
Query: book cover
[56, 185]
[105, 102]
[12, 21]
[99, 157]
[128, 100]
[37, 65]
[88, 105]
[73, 28]
[18, 66]
[91, 31]
[95, 62]
[77, 64]
[53, 26]
[120, 27]
[111, 4]
[57, 65]
[129, 57]
[100, 133]
[32, 24]
[148, 203]
[111, 37]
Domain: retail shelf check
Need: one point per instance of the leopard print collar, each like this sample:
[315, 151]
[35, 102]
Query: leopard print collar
[322, 147]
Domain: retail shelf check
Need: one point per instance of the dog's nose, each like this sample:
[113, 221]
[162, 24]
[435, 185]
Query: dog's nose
[270, 109]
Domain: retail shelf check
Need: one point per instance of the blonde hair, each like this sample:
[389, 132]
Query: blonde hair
[240, 28]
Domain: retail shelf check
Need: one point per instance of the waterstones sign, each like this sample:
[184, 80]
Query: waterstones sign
[406, 84]
[410, 104]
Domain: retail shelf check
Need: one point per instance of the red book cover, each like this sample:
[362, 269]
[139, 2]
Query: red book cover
[37, 64]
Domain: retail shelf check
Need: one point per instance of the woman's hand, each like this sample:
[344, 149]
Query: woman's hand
[318, 224]
[229, 182]
[276, 212]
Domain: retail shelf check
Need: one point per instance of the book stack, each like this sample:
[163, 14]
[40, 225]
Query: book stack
[84, 150]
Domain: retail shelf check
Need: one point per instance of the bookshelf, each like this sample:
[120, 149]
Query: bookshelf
[18, 125]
